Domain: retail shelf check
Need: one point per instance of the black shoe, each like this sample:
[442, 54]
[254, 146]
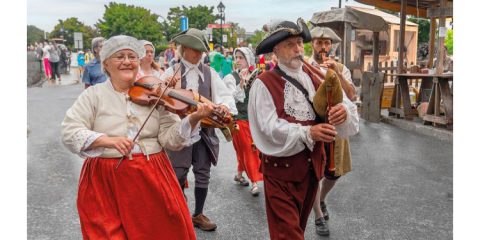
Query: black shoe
[323, 206]
[321, 227]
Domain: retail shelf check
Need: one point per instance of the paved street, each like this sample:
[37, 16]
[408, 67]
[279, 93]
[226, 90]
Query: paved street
[400, 188]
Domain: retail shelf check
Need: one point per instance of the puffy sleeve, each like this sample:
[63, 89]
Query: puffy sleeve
[347, 75]
[166, 74]
[237, 92]
[221, 94]
[351, 125]
[175, 134]
[76, 126]
[272, 135]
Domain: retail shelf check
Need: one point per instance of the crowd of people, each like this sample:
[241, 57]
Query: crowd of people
[54, 59]
[278, 135]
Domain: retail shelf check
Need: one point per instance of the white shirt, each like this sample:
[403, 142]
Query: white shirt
[141, 74]
[280, 138]
[220, 93]
[345, 71]
[237, 92]
[46, 51]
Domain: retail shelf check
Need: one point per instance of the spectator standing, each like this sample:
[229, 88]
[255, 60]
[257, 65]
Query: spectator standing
[54, 60]
[93, 73]
[81, 62]
[46, 63]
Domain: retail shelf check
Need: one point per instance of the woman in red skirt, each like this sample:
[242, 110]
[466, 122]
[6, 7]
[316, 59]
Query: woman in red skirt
[141, 199]
[239, 82]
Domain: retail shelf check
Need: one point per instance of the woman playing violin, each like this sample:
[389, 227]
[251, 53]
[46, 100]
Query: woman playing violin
[140, 199]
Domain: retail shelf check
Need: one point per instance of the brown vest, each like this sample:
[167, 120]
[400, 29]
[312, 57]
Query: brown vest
[292, 168]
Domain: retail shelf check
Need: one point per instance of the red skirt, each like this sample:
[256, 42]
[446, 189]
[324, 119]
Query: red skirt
[247, 155]
[140, 200]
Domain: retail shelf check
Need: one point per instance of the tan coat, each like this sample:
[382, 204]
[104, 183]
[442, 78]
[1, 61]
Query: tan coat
[343, 161]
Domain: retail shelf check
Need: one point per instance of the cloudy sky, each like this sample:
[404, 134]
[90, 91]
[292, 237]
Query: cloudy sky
[250, 14]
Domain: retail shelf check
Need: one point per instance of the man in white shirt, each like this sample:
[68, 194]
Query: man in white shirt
[201, 78]
[284, 129]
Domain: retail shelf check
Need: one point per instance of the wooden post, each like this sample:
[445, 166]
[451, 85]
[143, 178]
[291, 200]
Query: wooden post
[375, 51]
[401, 51]
[441, 39]
[431, 46]
[346, 47]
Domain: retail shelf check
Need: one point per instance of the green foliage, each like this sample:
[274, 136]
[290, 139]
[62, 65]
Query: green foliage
[198, 17]
[423, 29]
[71, 25]
[449, 41]
[123, 19]
[34, 34]
[307, 49]
[256, 38]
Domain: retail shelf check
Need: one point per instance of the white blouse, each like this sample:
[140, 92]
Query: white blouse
[100, 110]
[235, 89]
[280, 138]
[220, 93]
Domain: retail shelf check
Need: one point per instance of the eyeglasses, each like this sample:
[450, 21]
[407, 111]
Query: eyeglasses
[122, 58]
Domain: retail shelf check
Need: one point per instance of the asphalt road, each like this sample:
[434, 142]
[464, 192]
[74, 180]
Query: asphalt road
[400, 186]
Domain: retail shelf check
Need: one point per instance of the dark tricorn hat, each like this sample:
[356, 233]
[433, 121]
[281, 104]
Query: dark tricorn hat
[282, 31]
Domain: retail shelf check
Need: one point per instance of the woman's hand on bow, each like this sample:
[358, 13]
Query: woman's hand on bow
[123, 144]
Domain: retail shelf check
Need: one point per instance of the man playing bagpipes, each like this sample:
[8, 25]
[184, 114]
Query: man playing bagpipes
[286, 129]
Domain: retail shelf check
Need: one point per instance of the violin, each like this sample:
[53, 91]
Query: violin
[147, 90]
[151, 91]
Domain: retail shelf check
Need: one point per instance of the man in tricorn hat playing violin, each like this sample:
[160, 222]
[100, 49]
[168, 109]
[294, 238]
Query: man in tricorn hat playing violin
[195, 75]
[284, 129]
[322, 40]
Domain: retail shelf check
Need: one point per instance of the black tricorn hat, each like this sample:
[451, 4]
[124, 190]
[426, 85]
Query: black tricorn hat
[282, 31]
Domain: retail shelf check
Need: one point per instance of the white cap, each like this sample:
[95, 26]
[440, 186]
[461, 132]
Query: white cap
[145, 42]
[121, 42]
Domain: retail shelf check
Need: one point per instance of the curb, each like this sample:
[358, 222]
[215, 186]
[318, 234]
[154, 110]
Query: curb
[441, 134]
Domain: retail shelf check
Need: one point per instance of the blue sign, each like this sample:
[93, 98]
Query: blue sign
[183, 23]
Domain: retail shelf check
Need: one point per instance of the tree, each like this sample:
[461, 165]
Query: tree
[449, 41]
[123, 19]
[34, 34]
[257, 37]
[71, 25]
[423, 29]
[198, 17]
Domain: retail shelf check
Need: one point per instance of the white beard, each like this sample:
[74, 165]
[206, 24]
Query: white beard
[293, 64]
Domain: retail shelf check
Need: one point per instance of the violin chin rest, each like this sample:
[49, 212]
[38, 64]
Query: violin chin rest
[333, 84]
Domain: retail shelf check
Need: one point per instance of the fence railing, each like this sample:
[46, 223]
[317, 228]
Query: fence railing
[391, 68]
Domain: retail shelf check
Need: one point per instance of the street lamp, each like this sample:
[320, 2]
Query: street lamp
[221, 9]
[62, 30]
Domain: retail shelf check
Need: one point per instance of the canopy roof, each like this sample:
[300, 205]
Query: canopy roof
[412, 6]
[357, 18]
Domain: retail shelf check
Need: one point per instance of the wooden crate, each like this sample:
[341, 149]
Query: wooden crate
[387, 95]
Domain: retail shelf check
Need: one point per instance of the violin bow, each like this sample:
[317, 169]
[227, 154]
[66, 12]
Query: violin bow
[150, 114]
